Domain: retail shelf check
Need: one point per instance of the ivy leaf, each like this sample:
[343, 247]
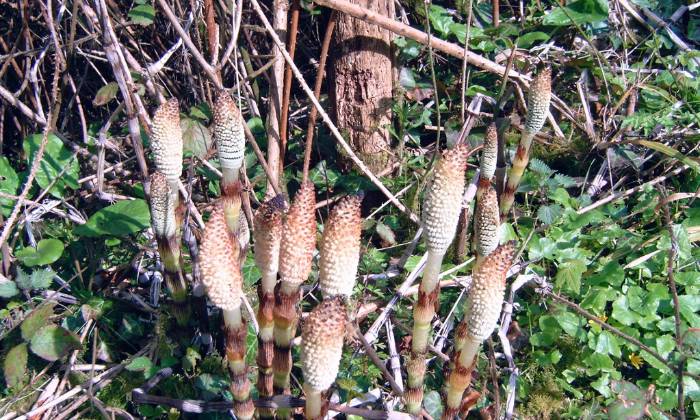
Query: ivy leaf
[57, 160]
[9, 182]
[143, 14]
[121, 218]
[15, 366]
[46, 252]
[37, 319]
[569, 275]
[53, 342]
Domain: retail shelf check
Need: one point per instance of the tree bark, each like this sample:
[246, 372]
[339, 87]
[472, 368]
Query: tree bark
[361, 84]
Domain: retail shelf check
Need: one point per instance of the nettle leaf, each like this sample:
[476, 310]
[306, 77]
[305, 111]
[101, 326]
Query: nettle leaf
[37, 319]
[15, 366]
[143, 14]
[121, 218]
[9, 182]
[46, 252]
[549, 214]
[540, 167]
[196, 137]
[53, 342]
[569, 275]
[8, 288]
[57, 160]
[41, 279]
[23, 280]
[105, 94]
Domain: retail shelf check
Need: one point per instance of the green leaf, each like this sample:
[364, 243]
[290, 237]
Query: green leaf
[581, 11]
[15, 365]
[23, 280]
[189, 362]
[607, 344]
[572, 324]
[121, 218]
[629, 402]
[622, 313]
[251, 272]
[46, 252]
[665, 345]
[105, 94]
[612, 274]
[143, 14]
[139, 364]
[569, 275]
[433, 404]
[196, 138]
[549, 214]
[440, 19]
[527, 40]
[37, 319]
[41, 279]
[9, 182]
[8, 288]
[56, 158]
[53, 342]
[671, 152]
[210, 386]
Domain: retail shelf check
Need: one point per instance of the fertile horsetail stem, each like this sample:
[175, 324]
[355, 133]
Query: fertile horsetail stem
[166, 143]
[483, 308]
[165, 228]
[322, 336]
[441, 207]
[221, 275]
[230, 138]
[296, 253]
[486, 222]
[340, 248]
[537, 109]
[267, 237]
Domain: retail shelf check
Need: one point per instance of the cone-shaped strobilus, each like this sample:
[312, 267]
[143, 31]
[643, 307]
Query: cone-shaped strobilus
[222, 278]
[441, 208]
[322, 335]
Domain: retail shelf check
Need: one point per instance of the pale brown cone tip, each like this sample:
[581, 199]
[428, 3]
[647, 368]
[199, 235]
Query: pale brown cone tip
[340, 249]
[162, 207]
[299, 237]
[443, 199]
[489, 154]
[166, 140]
[267, 235]
[538, 100]
[219, 263]
[322, 335]
[228, 131]
[486, 222]
[486, 295]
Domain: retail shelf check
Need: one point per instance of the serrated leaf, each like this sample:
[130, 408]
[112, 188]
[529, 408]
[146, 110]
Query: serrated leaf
[53, 342]
[549, 214]
[23, 280]
[196, 138]
[57, 160]
[143, 14]
[540, 167]
[41, 279]
[36, 320]
[46, 252]
[15, 365]
[105, 94]
[121, 218]
[569, 275]
[8, 288]
[9, 182]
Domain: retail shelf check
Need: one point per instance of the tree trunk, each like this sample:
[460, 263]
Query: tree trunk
[361, 78]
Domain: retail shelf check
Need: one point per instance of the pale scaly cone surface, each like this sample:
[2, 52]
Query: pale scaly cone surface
[296, 254]
[537, 108]
[486, 222]
[322, 335]
[267, 238]
[165, 228]
[340, 248]
[482, 311]
[222, 278]
[229, 136]
[166, 143]
[489, 154]
[441, 208]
